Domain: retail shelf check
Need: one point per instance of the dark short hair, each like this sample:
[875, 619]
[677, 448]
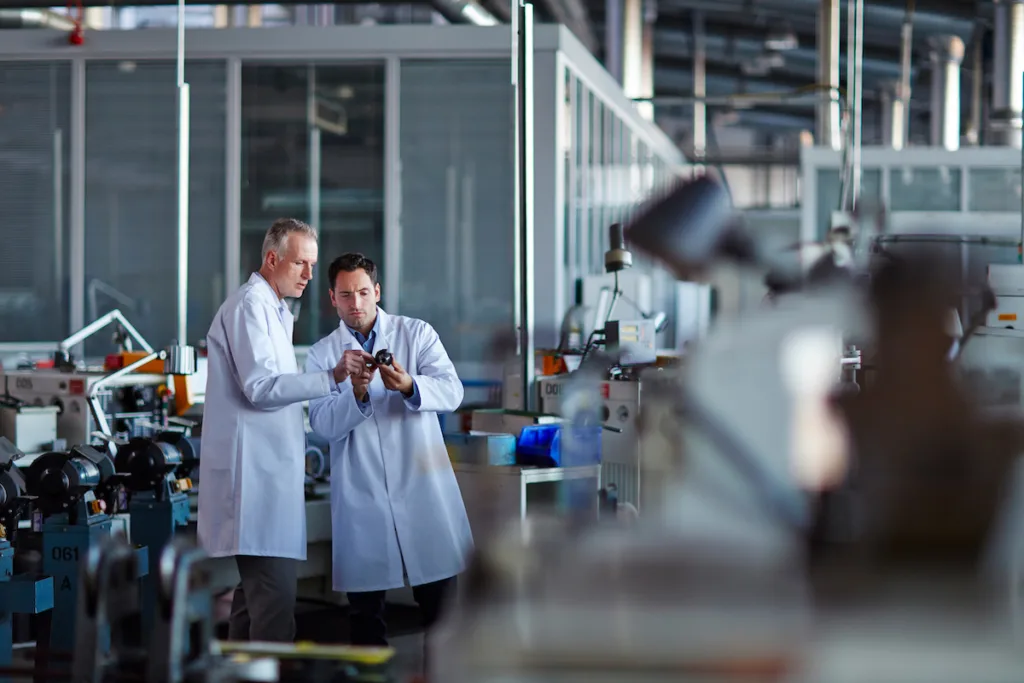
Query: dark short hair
[350, 263]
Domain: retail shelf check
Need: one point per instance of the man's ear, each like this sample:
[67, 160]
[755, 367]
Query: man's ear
[376, 289]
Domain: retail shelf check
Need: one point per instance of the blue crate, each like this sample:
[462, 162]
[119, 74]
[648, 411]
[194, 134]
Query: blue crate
[478, 448]
[559, 445]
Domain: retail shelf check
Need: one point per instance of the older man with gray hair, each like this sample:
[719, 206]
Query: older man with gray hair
[252, 467]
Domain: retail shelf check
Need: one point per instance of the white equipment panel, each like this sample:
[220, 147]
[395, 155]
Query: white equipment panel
[68, 391]
[620, 452]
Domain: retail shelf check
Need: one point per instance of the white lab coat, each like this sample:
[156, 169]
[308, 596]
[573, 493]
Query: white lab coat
[252, 468]
[394, 497]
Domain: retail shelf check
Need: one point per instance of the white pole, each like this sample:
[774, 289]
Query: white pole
[183, 181]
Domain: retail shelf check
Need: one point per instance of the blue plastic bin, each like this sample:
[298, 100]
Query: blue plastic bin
[558, 445]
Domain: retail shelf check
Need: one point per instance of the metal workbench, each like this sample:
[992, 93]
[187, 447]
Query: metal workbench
[502, 493]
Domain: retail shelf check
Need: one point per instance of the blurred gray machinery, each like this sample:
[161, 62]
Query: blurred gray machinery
[182, 648]
[789, 532]
[182, 642]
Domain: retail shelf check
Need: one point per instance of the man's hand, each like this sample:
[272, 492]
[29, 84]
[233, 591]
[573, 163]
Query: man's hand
[352, 364]
[361, 382]
[396, 378]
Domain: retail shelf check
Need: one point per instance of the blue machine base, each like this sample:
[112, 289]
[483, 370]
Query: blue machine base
[20, 594]
[65, 547]
[153, 523]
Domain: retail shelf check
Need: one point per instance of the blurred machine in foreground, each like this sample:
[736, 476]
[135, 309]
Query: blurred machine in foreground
[797, 529]
[182, 648]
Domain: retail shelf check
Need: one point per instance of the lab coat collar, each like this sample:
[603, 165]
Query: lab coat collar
[383, 325]
[263, 289]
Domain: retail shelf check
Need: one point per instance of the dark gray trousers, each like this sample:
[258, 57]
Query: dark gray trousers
[263, 608]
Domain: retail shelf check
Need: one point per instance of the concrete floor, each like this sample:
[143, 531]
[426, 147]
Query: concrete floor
[322, 624]
[329, 625]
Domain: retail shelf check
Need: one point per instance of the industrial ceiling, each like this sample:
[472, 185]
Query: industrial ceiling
[751, 46]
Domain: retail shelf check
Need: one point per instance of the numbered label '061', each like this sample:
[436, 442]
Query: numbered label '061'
[65, 554]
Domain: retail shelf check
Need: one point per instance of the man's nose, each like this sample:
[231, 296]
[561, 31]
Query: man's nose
[307, 272]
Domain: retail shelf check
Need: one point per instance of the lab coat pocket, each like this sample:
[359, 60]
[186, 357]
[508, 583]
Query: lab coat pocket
[262, 446]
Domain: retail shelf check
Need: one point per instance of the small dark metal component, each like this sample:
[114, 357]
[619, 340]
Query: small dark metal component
[383, 357]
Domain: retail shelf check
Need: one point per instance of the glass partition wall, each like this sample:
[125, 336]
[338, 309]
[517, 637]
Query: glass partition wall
[312, 147]
[402, 153]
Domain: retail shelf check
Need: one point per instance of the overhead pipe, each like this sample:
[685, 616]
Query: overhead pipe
[977, 82]
[700, 110]
[647, 59]
[632, 46]
[498, 8]
[672, 81]
[875, 15]
[35, 18]
[676, 43]
[464, 12]
[891, 111]
[614, 12]
[946, 57]
[900, 112]
[828, 124]
[741, 101]
[1007, 74]
[854, 92]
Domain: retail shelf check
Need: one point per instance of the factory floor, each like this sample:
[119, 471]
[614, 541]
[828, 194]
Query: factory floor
[329, 624]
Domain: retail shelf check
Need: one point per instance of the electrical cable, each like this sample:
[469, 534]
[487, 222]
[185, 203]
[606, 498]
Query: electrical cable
[591, 343]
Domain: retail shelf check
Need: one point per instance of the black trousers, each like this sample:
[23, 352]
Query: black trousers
[366, 611]
[263, 608]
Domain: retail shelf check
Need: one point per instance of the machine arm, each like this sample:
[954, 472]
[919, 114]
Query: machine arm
[178, 360]
[94, 405]
[98, 324]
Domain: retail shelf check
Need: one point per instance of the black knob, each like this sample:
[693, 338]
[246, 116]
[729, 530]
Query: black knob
[383, 357]
[615, 239]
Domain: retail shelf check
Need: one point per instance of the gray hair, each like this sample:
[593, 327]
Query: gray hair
[278, 233]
